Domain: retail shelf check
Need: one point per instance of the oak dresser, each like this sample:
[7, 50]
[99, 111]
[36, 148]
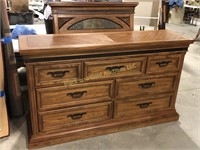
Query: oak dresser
[89, 84]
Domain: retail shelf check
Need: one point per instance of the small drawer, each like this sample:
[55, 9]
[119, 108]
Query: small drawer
[74, 116]
[56, 73]
[107, 68]
[133, 87]
[57, 97]
[128, 108]
[164, 63]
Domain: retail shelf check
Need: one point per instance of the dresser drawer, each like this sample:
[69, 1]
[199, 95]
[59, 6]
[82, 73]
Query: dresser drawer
[56, 73]
[128, 108]
[106, 68]
[55, 97]
[132, 87]
[74, 116]
[164, 63]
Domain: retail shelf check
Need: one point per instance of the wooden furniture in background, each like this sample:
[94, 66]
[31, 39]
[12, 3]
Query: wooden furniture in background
[19, 5]
[89, 84]
[165, 4]
[13, 90]
[4, 126]
[71, 17]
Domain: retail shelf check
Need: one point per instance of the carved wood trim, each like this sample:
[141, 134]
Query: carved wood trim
[63, 28]
[63, 21]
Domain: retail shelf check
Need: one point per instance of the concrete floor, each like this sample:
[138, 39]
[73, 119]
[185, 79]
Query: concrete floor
[181, 135]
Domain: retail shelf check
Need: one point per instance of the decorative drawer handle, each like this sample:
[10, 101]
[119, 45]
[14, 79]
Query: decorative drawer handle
[146, 85]
[77, 116]
[144, 105]
[163, 63]
[76, 94]
[58, 74]
[114, 68]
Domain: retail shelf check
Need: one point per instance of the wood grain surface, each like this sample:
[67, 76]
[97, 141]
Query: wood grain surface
[92, 4]
[141, 96]
[4, 126]
[84, 17]
[98, 43]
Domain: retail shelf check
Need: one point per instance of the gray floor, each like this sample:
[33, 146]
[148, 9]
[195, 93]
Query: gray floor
[181, 135]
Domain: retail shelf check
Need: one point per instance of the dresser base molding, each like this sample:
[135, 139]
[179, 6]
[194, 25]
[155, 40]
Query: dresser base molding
[112, 126]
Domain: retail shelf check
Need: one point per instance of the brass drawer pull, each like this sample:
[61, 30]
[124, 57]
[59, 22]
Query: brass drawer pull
[77, 116]
[144, 105]
[58, 74]
[163, 63]
[76, 94]
[146, 85]
[114, 68]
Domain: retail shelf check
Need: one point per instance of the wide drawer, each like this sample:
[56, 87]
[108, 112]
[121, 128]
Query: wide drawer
[55, 97]
[56, 73]
[128, 108]
[74, 116]
[106, 68]
[164, 63]
[132, 87]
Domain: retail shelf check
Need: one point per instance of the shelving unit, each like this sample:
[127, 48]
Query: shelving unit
[36, 4]
[151, 15]
[191, 14]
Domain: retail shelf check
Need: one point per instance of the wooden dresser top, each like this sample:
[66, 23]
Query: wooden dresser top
[99, 43]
